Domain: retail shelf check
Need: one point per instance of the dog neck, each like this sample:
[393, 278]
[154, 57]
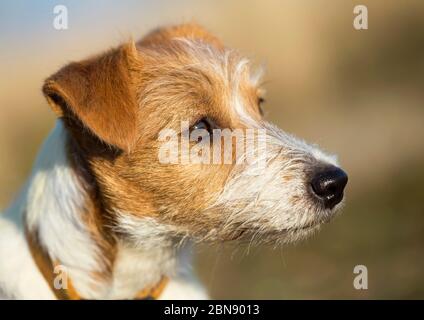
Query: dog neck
[62, 222]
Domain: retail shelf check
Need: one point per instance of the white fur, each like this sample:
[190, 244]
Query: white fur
[154, 249]
[19, 276]
[53, 200]
[184, 287]
[271, 203]
[147, 233]
[267, 202]
[54, 208]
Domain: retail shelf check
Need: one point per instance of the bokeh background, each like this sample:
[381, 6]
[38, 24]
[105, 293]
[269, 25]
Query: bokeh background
[356, 93]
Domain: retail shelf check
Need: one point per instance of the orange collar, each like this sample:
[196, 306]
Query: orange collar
[148, 293]
[47, 267]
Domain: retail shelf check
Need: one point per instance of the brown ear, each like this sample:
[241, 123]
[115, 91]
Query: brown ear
[99, 93]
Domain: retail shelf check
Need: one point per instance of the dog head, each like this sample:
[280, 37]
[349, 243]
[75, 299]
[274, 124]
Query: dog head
[180, 87]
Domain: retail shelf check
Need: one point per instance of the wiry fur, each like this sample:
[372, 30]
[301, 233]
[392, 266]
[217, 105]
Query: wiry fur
[50, 205]
[19, 276]
[272, 203]
[100, 202]
[54, 207]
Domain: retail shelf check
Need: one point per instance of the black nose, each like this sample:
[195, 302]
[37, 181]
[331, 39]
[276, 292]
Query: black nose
[328, 185]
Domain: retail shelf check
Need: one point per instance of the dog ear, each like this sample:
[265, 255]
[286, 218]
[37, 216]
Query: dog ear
[100, 94]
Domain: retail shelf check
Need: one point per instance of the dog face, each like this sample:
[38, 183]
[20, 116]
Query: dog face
[117, 105]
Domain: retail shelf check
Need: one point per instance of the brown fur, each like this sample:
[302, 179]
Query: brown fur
[44, 264]
[162, 36]
[134, 182]
[95, 91]
[114, 106]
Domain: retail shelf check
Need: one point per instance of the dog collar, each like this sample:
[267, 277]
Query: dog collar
[47, 267]
[148, 293]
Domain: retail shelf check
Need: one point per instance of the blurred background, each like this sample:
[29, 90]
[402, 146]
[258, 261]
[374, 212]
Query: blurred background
[356, 93]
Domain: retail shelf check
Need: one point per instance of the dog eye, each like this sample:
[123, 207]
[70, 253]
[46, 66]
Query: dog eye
[261, 101]
[205, 124]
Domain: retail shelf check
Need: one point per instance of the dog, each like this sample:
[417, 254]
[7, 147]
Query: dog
[102, 218]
